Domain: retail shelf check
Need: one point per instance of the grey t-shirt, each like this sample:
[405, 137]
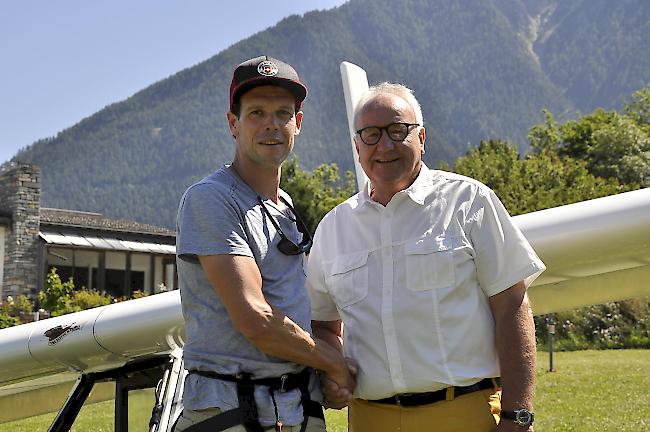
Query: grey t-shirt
[221, 215]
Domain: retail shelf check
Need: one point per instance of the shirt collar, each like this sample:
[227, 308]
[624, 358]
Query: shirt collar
[363, 197]
[417, 191]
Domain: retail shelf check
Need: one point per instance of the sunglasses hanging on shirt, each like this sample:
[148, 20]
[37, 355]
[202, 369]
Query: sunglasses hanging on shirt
[285, 245]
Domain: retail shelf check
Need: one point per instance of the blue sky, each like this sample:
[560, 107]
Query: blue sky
[63, 60]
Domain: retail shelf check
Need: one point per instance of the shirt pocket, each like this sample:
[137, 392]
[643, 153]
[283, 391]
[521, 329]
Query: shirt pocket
[348, 279]
[429, 263]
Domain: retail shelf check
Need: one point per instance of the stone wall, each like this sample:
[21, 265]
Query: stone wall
[20, 198]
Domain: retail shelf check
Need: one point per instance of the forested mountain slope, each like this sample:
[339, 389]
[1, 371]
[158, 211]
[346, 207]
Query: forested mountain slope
[481, 69]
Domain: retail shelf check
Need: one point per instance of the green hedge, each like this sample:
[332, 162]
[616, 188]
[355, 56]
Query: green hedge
[616, 325]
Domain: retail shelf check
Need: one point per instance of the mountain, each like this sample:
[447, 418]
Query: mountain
[481, 69]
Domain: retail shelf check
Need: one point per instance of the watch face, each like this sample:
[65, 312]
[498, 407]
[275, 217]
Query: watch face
[523, 417]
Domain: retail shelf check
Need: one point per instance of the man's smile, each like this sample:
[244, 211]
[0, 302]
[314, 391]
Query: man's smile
[271, 142]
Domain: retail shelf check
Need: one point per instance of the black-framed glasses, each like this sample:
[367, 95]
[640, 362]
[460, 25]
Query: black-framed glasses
[285, 245]
[396, 131]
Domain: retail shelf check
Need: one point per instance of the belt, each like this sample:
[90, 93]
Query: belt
[417, 399]
[286, 382]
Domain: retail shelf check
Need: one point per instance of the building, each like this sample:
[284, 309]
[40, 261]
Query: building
[112, 255]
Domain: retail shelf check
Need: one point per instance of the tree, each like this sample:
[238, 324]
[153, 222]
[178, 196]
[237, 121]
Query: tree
[613, 145]
[316, 193]
[639, 108]
[538, 181]
[545, 136]
[621, 150]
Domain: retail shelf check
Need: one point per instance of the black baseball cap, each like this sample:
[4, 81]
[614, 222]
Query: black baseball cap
[265, 70]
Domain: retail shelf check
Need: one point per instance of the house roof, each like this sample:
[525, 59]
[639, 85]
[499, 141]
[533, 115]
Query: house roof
[105, 241]
[97, 221]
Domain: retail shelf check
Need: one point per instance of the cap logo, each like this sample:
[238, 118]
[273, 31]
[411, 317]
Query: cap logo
[267, 68]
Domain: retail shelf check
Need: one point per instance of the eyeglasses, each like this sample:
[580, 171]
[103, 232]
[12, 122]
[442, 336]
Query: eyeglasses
[285, 245]
[396, 131]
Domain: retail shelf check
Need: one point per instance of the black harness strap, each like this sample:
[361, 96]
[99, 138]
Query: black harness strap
[246, 414]
[221, 422]
[309, 407]
[247, 406]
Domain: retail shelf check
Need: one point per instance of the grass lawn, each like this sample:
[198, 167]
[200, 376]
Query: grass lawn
[594, 391]
[589, 391]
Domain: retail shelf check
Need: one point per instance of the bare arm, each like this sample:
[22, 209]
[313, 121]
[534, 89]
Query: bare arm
[332, 332]
[238, 283]
[515, 341]
[329, 331]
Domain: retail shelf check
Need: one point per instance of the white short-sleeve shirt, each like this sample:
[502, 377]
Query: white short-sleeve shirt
[411, 282]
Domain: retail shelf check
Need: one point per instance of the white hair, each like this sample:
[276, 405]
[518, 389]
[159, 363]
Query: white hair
[399, 90]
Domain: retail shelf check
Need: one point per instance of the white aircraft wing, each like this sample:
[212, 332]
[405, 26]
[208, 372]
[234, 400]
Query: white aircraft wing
[595, 251]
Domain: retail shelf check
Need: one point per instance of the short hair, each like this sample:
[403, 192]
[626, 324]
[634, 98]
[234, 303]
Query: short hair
[399, 90]
[236, 107]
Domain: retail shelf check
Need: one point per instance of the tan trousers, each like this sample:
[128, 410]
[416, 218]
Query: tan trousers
[473, 412]
[189, 417]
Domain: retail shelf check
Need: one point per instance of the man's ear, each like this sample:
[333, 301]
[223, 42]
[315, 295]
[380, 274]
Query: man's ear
[233, 123]
[356, 146]
[298, 122]
[423, 136]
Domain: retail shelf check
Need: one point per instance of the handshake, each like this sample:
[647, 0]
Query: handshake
[338, 387]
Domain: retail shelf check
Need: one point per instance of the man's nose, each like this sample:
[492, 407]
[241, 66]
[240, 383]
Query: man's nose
[385, 143]
[273, 122]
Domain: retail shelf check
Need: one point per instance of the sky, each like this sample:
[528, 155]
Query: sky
[64, 60]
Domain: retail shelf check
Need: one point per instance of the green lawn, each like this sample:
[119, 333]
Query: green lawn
[594, 391]
[589, 391]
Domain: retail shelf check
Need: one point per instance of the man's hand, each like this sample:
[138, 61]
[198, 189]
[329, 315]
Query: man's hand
[338, 381]
[339, 396]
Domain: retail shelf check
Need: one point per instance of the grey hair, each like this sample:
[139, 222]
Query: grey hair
[399, 90]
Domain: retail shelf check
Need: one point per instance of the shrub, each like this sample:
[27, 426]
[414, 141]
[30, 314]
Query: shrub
[12, 311]
[56, 297]
[138, 294]
[614, 325]
[88, 299]
[7, 320]
[21, 305]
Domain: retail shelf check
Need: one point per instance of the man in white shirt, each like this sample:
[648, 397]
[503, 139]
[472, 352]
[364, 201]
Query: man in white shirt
[429, 275]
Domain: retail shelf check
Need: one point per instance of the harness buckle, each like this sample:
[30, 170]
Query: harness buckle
[283, 380]
[245, 376]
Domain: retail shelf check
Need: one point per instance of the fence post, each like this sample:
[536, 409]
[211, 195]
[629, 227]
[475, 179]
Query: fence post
[550, 323]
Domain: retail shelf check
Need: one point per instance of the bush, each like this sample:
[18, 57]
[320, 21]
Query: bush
[12, 311]
[615, 325]
[138, 294]
[21, 305]
[7, 320]
[88, 299]
[61, 298]
[56, 297]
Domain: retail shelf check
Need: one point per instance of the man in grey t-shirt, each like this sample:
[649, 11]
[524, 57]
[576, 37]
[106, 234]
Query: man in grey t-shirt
[240, 252]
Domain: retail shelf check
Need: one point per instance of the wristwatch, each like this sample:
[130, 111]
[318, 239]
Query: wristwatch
[521, 417]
